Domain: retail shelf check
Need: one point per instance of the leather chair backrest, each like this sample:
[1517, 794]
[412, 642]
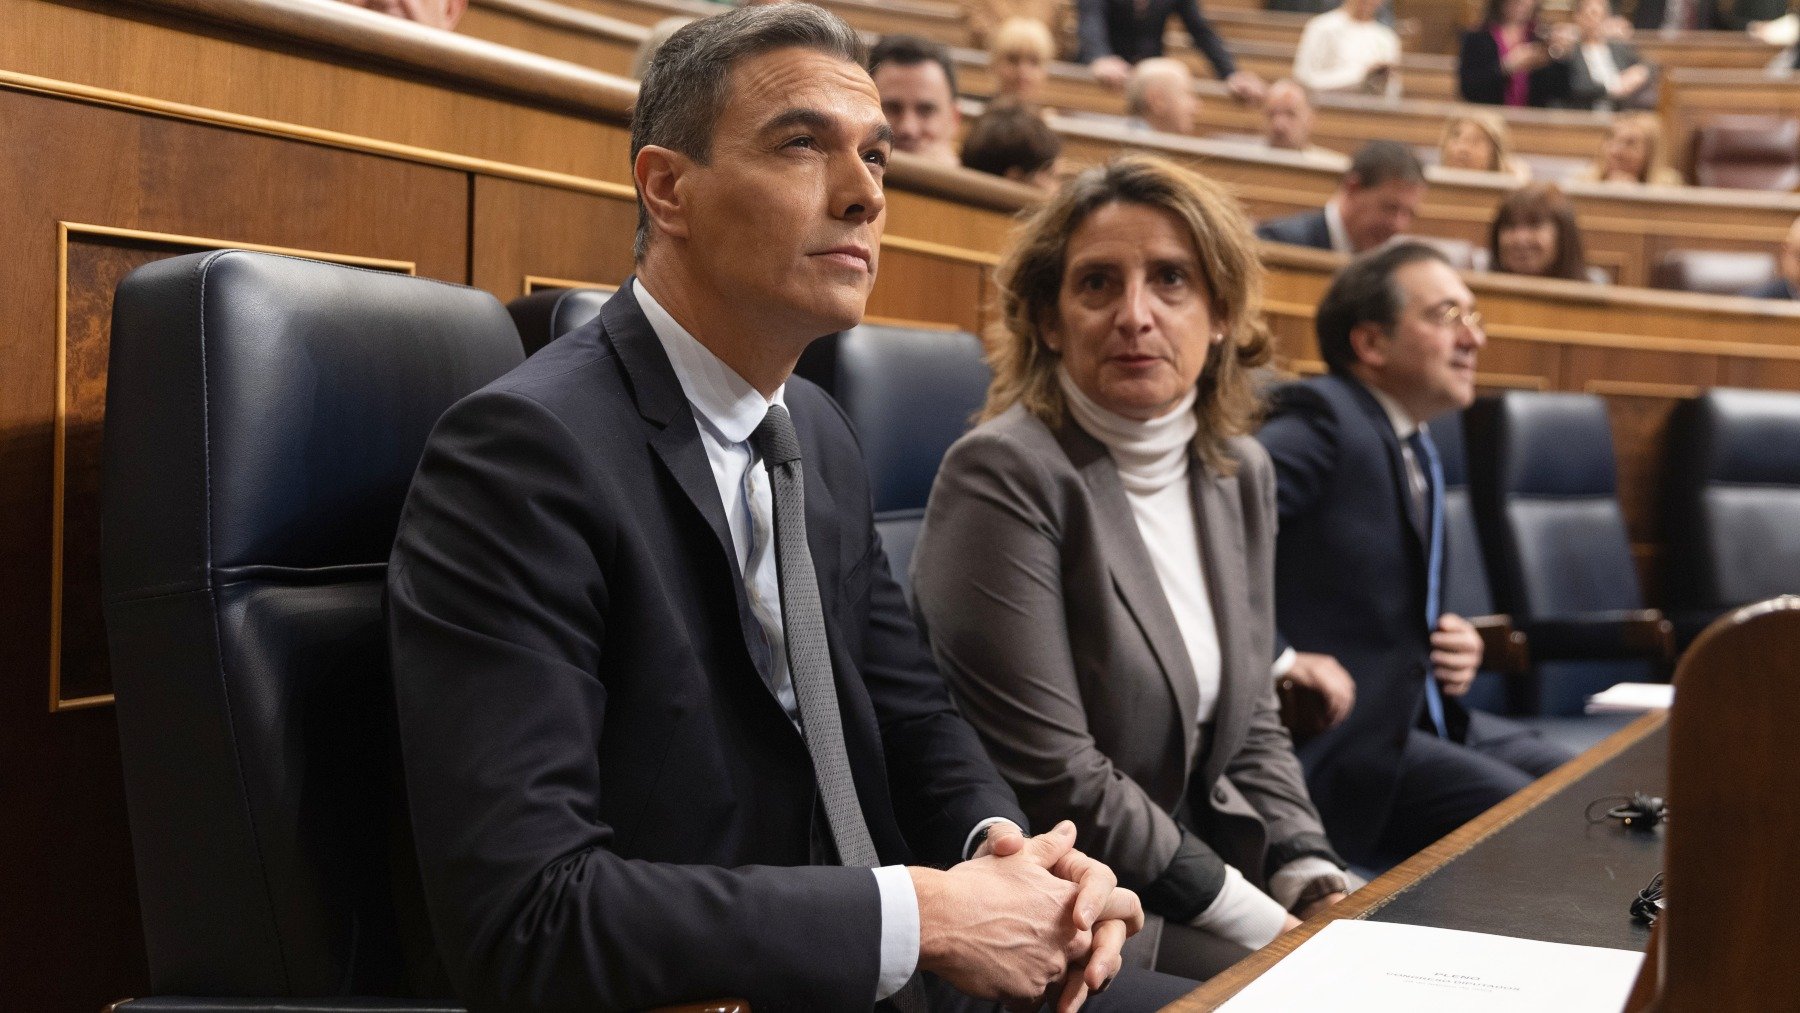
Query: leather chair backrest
[1733, 513]
[264, 418]
[1545, 486]
[910, 393]
[1466, 591]
[1719, 272]
[542, 317]
[1748, 152]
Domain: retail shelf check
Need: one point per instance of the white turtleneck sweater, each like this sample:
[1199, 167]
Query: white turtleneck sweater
[1153, 459]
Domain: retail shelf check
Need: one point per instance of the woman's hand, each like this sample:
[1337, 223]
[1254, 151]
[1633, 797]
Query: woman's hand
[1525, 58]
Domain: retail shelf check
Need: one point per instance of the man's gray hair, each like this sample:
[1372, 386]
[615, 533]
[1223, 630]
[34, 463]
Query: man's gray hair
[684, 88]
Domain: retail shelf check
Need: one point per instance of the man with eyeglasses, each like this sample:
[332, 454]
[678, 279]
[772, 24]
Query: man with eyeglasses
[1360, 559]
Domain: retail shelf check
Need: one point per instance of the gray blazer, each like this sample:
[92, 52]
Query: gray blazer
[1046, 616]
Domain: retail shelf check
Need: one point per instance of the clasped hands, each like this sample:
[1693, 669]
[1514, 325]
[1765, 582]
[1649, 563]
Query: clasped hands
[1025, 919]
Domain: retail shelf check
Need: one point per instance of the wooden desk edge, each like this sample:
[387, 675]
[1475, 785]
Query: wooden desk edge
[1377, 894]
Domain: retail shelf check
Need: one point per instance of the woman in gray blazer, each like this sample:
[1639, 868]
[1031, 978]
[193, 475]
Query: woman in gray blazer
[1095, 569]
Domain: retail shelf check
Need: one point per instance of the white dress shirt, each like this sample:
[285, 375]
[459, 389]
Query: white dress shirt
[1336, 53]
[1334, 224]
[728, 410]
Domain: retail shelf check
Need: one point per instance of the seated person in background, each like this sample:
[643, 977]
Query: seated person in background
[1346, 49]
[1677, 15]
[1161, 96]
[1118, 33]
[1010, 139]
[437, 13]
[1511, 60]
[1632, 153]
[1359, 558]
[917, 83]
[1094, 572]
[1020, 56]
[1534, 233]
[659, 34]
[1479, 141]
[1377, 200]
[1287, 115]
[1605, 73]
[645, 763]
[1787, 284]
[986, 16]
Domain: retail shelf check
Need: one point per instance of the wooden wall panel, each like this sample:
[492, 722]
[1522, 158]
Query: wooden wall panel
[70, 939]
[530, 230]
[925, 286]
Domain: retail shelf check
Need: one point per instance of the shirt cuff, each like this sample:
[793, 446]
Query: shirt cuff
[1242, 913]
[899, 929]
[1308, 878]
[1284, 663]
[968, 851]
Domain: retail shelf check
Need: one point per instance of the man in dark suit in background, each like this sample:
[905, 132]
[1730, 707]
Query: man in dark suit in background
[1377, 200]
[668, 730]
[1114, 34]
[1785, 285]
[1359, 562]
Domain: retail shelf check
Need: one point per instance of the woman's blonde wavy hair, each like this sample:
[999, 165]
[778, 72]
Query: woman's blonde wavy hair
[1030, 280]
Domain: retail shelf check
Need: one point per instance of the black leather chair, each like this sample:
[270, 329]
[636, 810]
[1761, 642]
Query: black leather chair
[1732, 516]
[542, 317]
[910, 393]
[264, 417]
[1544, 482]
[1505, 660]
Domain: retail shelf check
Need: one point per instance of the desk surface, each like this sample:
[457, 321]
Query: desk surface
[1531, 866]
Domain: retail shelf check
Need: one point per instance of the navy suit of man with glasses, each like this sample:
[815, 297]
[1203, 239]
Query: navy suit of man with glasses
[668, 731]
[1360, 556]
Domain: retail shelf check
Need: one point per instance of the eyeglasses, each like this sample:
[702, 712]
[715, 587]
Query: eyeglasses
[1450, 314]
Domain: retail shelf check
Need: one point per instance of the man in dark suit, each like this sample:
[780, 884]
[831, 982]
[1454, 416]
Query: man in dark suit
[1377, 200]
[1786, 285]
[668, 731]
[1114, 34]
[1359, 561]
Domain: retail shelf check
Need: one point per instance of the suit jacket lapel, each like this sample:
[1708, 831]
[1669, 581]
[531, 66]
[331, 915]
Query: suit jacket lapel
[676, 436]
[1396, 463]
[1134, 575]
[1218, 509]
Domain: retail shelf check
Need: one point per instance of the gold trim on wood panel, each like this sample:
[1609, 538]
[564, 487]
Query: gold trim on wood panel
[917, 325]
[314, 135]
[1641, 388]
[60, 424]
[931, 249]
[538, 283]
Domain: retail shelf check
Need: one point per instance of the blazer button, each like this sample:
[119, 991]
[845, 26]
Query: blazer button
[1219, 795]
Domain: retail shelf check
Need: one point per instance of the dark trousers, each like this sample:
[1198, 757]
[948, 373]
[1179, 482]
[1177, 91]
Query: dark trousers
[1444, 784]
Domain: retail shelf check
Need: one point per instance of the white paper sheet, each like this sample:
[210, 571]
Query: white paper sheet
[1632, 698]
[1355, 966]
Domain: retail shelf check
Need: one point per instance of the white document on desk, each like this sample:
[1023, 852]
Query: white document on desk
[1352, 966]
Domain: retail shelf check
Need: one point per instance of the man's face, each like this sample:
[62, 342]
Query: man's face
[1375, 214]
[920, 108]
[1362, 10]
[785, 221]
[1170, 105]
[1287, 119]
[1427, 361]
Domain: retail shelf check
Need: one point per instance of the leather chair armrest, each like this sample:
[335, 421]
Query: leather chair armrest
[1503, 649]
[190, 1004]
[1644, 633]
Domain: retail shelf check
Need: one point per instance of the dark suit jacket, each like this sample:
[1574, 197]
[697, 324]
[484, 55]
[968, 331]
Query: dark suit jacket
[1115, 28]
[611, 809]
[1774, 288]
[1585, 92]
[1350, 582]
[1480, 78]
[1305, 228]
[1045, 613]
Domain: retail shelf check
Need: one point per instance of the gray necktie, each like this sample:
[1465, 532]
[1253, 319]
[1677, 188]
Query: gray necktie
[809, 656]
